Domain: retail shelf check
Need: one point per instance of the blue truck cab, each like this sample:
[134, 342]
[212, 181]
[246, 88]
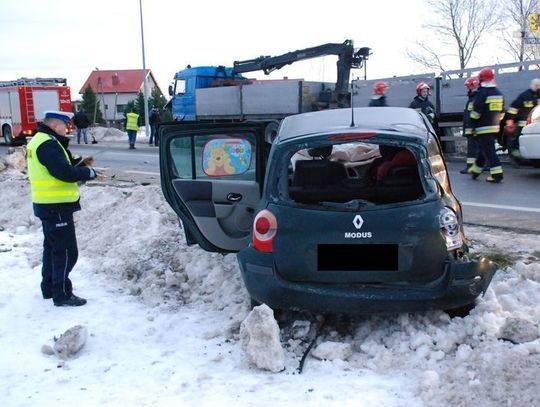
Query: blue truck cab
[186, 81]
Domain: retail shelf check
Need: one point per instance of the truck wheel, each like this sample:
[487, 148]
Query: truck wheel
[6, 131]
[270, 132]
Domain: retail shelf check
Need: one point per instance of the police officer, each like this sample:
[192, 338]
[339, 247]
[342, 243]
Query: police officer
[472, 85]
[55, 196]
[517, 114]
[486, 115]
[132, 127]
[421, 102]
[379, 95]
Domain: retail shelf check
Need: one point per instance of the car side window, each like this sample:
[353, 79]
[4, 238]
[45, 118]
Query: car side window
[214, 156]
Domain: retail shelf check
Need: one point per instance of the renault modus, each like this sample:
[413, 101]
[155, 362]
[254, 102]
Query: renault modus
[347, 211]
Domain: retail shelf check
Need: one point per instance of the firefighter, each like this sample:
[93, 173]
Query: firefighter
[486, 114]
[517, 114]
[472, 85]
[55, 196]
[421, 102]
[379, 95]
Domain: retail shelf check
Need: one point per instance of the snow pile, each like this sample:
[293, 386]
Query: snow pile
[14, 160]
[185, 335]
[259, 334]
[113, 134]
[330, 350]
[68, 344]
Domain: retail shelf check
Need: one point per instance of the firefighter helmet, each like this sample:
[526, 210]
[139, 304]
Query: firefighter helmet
[380, 88]
[421, 86]
[472, 83]
[486, 75]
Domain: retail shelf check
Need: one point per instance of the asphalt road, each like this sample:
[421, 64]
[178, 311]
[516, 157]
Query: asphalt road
[513, 204]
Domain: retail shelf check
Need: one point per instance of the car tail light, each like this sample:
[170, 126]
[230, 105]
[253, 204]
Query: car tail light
[264, 231]
[359, 135]
[450, 229]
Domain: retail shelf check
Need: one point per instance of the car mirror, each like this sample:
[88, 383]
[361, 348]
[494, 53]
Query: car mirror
[226, 156]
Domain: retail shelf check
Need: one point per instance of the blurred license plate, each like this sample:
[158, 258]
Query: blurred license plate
[357, 257]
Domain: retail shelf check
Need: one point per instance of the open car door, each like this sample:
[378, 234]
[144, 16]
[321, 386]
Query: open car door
[212, 176]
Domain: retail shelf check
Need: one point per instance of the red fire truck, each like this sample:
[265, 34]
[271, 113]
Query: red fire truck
[23, 103]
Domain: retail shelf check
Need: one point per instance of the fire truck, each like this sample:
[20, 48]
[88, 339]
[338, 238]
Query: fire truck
[23, 103]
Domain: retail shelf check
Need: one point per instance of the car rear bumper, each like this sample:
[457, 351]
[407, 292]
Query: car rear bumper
[461, 283]
[529, 146]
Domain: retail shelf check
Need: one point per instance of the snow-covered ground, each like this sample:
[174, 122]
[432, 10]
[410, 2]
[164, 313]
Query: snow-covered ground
[163, 322]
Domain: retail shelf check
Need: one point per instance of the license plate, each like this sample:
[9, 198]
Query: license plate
[355, 257]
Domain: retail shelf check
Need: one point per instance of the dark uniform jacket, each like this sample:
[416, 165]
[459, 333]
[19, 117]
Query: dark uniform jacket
[51, 156]
[424, 105]
[81, 120]
[521, 107]
[467, 124]
[154, 118]
[487, 112]
[378, 102]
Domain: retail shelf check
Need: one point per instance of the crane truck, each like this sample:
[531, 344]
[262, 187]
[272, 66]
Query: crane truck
[218, 93]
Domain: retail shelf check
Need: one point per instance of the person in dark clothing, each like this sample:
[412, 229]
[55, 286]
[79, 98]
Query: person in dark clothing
[55, 196]
[517, 114]
[155, 119]
[486, 114]
[81, 122]
[472, 84]
[421, 102]
[379, 95]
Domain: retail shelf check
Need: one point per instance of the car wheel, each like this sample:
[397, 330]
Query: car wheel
[536, 163]
[462, 311]
[254, 303]
[6, 131]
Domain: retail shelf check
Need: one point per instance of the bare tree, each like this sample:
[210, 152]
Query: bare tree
[517, 13]
[458, 25]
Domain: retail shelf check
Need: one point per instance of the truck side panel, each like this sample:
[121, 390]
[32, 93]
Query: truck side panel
[222, 102]
[400, 94]
[272, 98]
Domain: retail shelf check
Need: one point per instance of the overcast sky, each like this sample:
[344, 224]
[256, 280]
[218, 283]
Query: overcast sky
[70, 38]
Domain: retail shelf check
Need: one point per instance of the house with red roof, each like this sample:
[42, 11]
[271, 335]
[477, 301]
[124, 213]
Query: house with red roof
[115, 88]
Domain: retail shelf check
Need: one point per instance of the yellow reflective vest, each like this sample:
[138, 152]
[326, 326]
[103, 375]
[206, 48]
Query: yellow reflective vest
[132, 121]
[45, 188]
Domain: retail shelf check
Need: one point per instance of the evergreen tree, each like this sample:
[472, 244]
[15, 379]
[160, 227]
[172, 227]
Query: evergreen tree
[156, 99]
[139, 106]
[90, 105]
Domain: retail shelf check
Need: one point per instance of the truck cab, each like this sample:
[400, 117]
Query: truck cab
[188, 80]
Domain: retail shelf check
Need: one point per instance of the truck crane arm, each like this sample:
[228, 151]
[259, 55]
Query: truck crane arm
[347, 59]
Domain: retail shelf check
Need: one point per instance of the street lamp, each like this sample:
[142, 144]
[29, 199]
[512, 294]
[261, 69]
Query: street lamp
[145, 94]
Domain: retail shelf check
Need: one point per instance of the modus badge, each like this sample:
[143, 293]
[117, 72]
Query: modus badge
[358, 222]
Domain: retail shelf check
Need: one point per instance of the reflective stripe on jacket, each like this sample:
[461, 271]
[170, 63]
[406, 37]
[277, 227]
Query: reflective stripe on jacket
[45, 188]
[132, 121]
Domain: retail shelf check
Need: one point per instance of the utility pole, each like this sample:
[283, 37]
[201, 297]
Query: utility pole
[145, 94]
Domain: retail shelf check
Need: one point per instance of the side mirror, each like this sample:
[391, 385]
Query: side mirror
[170, 90]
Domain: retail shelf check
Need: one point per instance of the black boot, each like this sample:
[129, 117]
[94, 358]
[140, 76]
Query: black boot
[72, 301]
[466, 169]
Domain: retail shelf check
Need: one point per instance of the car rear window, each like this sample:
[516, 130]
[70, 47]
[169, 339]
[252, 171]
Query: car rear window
[354, 173]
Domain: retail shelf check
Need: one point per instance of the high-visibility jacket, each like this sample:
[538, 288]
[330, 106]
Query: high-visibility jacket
[487, 111]
[520, 108]
[45, 188]
[132, 122]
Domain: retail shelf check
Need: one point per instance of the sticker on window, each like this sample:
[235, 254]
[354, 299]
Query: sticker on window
[222, 157]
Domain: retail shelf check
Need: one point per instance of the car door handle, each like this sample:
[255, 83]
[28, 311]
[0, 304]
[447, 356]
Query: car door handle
[234, 197]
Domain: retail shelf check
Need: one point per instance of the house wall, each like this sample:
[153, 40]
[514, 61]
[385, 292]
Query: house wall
[109, 102]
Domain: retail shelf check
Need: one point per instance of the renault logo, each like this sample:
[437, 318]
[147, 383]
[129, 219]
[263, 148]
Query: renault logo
[358, 221]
